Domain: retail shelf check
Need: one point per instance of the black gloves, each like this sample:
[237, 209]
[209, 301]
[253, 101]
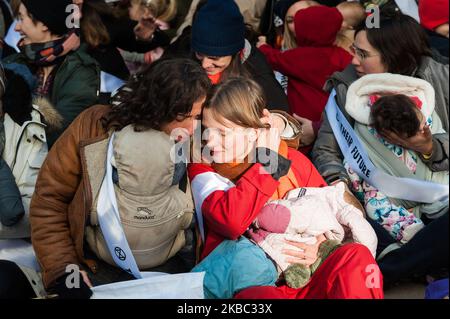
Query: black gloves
[60, 288]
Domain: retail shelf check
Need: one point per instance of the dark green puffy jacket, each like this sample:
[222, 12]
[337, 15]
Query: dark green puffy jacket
[75, 88]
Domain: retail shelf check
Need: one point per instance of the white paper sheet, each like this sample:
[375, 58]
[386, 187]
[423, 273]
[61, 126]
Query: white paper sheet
[155, 286]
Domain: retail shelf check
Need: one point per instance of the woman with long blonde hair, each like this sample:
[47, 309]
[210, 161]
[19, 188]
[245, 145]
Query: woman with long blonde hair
[245, 165]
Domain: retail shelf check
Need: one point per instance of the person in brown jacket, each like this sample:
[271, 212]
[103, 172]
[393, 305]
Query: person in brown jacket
[63, 215]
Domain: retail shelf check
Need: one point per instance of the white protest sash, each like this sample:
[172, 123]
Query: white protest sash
[204, 185]
[110, 83]
[110, 224]
[355, 154]
[12, 37]
[155, 286]
[19, 251]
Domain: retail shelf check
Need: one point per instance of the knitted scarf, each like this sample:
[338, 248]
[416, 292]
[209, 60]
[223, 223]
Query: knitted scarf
[234, 171]
[52, 52]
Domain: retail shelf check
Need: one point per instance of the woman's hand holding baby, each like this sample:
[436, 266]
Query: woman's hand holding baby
[309, 254]
[308, 136]
[421, 143]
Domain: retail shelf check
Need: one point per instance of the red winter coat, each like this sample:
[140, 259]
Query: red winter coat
[227, 209]
[313, 62]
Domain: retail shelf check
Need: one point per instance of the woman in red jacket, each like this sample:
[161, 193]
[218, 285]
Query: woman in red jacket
[248, 165]
[310, 64]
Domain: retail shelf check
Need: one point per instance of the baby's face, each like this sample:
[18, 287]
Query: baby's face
[423, 121]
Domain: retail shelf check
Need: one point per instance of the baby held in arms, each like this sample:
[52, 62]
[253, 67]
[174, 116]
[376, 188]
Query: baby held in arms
[398, 113]
[303, 214]
[389, 109]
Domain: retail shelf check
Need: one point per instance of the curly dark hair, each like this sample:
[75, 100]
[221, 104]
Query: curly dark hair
[396, 113]
[160, 93]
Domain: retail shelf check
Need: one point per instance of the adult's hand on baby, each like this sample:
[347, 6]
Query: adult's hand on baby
[262, 40]
[277, 122]
[421, 143]
[309, 254]
[308, 136]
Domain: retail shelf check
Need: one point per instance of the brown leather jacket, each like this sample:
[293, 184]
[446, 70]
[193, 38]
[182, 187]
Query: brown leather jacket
[62, 200]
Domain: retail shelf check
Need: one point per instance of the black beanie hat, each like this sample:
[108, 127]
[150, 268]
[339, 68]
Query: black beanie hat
[52, 13]
[218, 29]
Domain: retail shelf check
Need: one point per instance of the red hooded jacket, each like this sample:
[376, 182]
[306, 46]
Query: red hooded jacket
[314, 60]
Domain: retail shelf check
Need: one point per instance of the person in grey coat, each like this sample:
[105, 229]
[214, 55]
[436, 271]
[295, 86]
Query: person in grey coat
[399, 46]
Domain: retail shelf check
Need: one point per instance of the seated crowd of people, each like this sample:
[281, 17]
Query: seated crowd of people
[287, 149]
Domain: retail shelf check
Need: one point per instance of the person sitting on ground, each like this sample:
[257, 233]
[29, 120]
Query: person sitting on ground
[381, 50]
[245, 165]
[149, 187]
[404, 105]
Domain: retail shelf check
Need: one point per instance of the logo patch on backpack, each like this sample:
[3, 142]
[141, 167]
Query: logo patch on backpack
[143, 213]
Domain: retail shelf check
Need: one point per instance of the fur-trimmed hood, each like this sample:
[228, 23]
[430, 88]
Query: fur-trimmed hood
[16, 87]
[49, 115]
[358, 94]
